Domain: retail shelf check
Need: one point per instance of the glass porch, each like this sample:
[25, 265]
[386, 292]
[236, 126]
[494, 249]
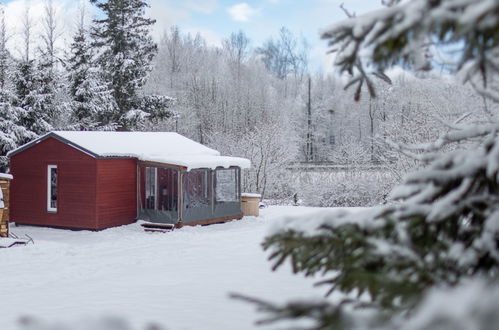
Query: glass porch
[171, 195]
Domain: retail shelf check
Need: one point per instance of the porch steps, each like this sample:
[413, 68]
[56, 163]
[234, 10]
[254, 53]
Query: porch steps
[157, 227]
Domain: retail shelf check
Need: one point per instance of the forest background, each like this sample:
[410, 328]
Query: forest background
[310, 140]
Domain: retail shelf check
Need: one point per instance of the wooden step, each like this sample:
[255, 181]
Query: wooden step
[151, 230]
[157, 227]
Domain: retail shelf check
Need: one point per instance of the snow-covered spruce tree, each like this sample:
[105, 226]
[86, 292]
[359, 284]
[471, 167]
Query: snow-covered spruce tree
[29, 99]
[51, 91]
[125, 51]
[11, 133]
[92, 104]
[27, 88]
[443, 229]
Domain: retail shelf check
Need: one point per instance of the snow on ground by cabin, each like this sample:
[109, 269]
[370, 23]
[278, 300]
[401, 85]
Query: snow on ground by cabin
[179, 280]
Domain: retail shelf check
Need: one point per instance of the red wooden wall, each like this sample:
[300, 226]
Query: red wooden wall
[116, 192]
[92, 193]
[76, 186]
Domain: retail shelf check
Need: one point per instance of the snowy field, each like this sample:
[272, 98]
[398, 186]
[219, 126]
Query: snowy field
[178, 280]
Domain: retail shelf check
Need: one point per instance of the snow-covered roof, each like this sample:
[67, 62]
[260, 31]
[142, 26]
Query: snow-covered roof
[251, 195]
[164, 147]
[6, 176]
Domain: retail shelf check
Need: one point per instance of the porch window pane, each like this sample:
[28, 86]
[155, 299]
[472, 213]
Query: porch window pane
[168, 189]
[226, 185]
[197, 187]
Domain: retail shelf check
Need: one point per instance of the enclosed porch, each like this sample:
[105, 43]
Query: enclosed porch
[171, 194]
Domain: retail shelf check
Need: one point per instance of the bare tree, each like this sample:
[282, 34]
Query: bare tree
[285, 55]
[173, 47]
[237, 46]
[51, 33]
[26, 34]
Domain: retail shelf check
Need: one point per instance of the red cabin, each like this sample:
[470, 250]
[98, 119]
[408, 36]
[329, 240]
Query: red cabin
[96, 180]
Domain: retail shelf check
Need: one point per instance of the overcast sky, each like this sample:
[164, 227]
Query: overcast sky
[216, 19]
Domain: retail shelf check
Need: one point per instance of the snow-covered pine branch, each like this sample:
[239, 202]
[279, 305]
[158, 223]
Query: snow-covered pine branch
[387, 36]
[443, 227]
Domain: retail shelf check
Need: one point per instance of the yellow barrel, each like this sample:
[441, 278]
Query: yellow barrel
[250, 204]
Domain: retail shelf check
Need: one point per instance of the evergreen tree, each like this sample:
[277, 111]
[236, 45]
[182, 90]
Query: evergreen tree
[48, 85]
[28, 97]
[92, 104]
[126, 51]
[443, 229]
[51, 88]
[11, 133]
[28, 93]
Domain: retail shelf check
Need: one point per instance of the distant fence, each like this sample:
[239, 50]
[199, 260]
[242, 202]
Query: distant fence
[333, 167]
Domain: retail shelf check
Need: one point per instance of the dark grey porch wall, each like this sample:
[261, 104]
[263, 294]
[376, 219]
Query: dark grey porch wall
[211, 210]
[220, 210]
[158, 216]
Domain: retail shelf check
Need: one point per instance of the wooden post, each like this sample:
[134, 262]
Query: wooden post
[180, 198]
[4, 212]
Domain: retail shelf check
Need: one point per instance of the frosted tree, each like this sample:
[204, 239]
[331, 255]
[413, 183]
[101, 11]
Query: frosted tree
[125, 51]
[28, 91]
[284, 56]
[237, 48]
[11, 132]
[270, 148]
[50, 87]
[444, 228]
[92, 104]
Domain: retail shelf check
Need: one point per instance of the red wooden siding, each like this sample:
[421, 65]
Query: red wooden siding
[76, 186]
[116, 192]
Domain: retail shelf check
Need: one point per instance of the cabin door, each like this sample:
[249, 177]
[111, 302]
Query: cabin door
[159, 195]
[151, 183]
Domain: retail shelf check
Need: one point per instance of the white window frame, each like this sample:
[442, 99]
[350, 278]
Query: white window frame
[49, 188]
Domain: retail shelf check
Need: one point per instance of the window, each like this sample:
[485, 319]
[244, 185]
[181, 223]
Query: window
[167, 189]
[197, 188]
[52, 188]
[227, 185]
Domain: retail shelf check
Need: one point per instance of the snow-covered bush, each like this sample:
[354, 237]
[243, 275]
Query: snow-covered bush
[356, 186]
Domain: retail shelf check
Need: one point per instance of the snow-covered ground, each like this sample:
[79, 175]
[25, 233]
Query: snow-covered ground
[179, 280]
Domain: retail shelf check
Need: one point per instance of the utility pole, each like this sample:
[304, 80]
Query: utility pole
[309, 156]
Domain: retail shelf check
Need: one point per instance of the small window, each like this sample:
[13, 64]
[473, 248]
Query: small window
[52, 188]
